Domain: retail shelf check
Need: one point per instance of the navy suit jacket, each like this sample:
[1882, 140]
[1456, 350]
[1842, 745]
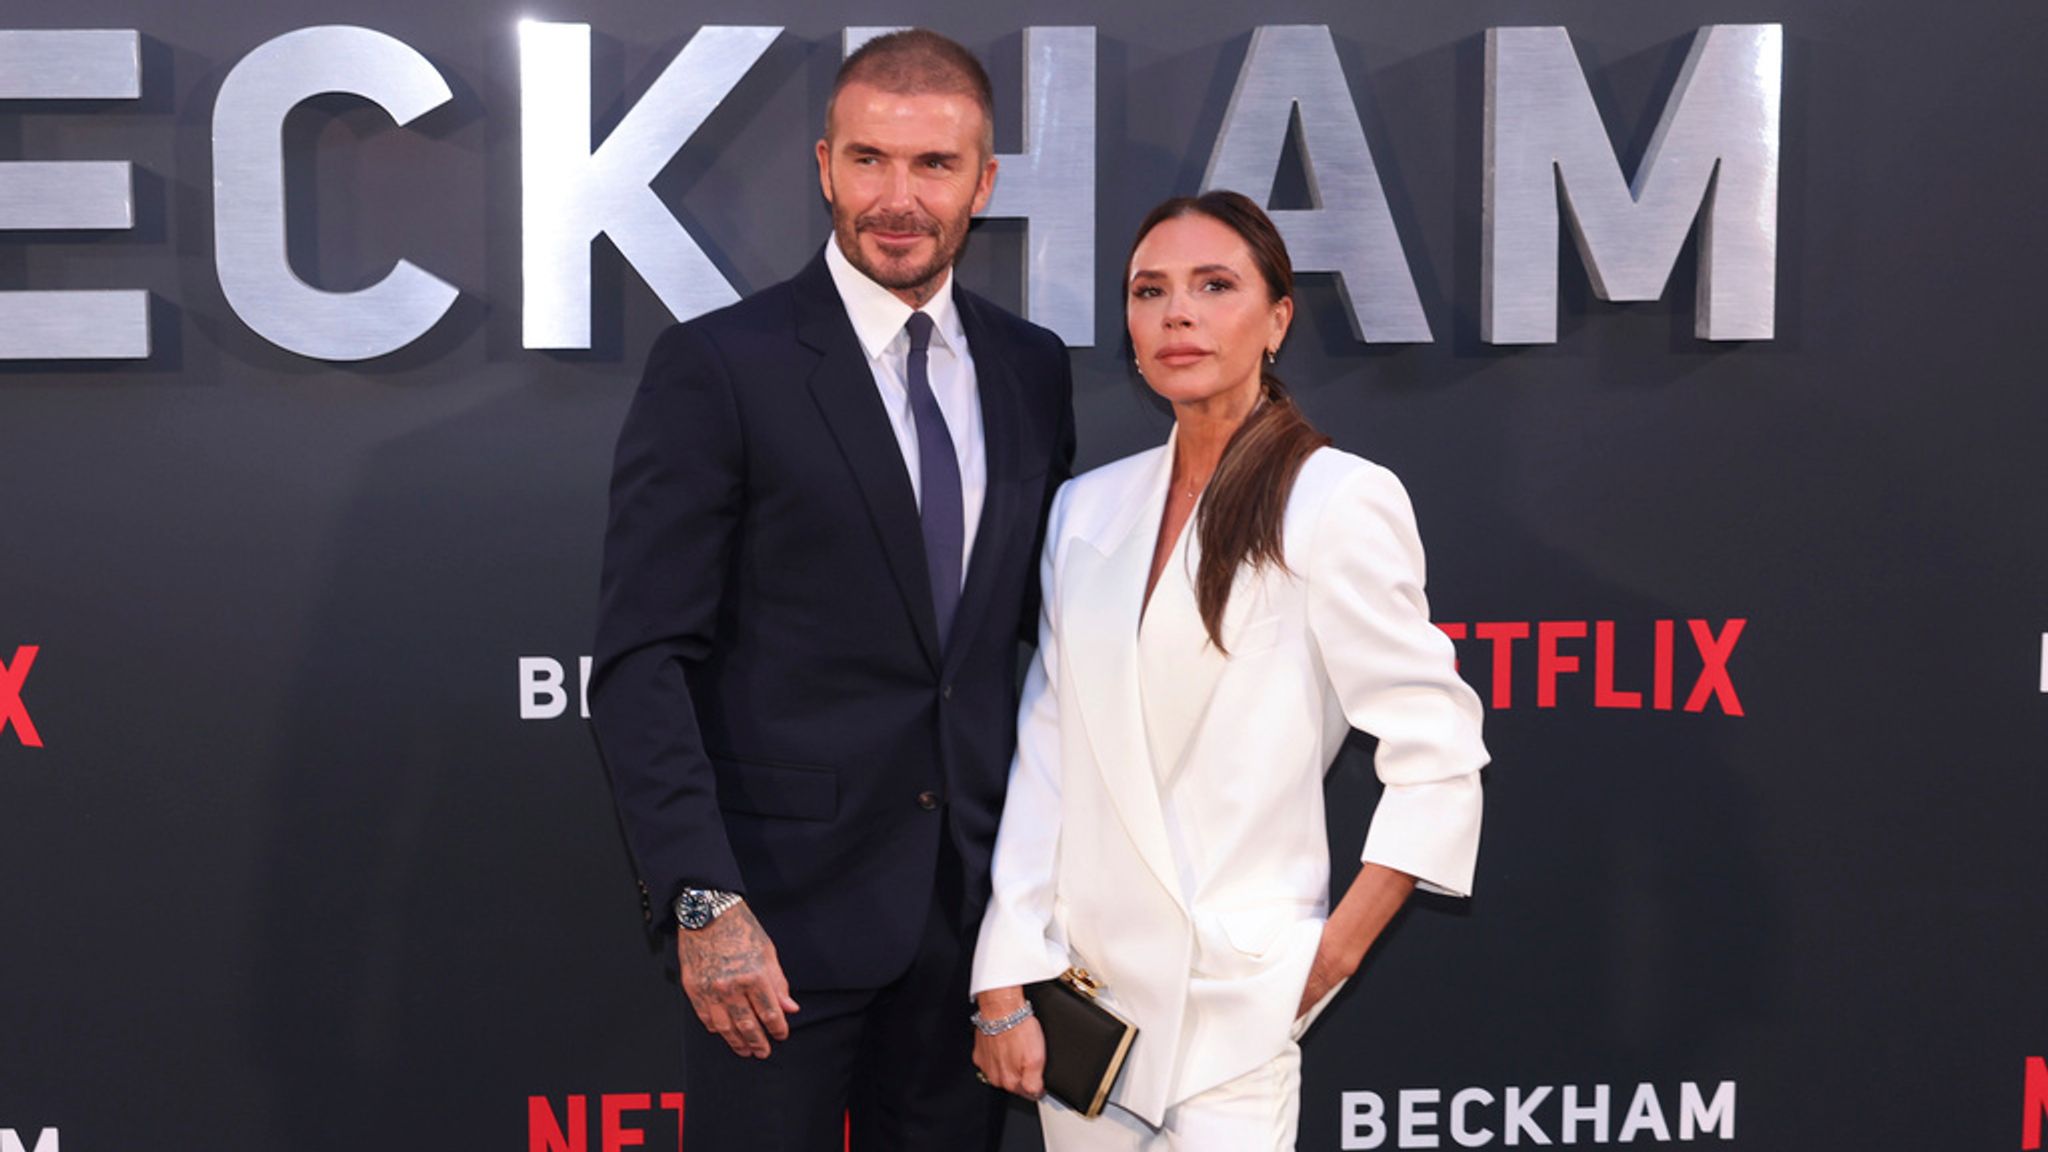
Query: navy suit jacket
[768, 689]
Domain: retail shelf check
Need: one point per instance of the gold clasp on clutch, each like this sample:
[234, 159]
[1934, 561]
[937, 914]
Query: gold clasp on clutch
[1080, 981]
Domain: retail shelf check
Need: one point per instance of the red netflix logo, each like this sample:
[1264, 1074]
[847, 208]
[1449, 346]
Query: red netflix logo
[13, 712]
[1560, 652]
[2036, 1107]
[618, 1126]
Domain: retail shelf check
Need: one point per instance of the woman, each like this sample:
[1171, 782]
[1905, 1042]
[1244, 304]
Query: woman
[1218, 613]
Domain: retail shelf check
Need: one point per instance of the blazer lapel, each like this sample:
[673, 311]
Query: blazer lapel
[998, 531]
[1105, 595]
[844, 389]
[1174, 632]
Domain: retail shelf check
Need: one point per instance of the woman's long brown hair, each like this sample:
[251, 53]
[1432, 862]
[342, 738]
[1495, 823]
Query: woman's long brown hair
[1243, 512]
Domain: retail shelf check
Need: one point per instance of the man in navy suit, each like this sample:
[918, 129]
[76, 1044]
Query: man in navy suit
[825, 517]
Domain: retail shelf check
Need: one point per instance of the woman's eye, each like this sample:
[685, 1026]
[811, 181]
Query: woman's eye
[1218, 285]
[1144, 292]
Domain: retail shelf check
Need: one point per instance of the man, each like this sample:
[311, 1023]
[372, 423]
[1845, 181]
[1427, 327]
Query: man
[821, 556]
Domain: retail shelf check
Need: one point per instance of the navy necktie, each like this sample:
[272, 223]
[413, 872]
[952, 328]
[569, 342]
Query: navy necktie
[938, 473]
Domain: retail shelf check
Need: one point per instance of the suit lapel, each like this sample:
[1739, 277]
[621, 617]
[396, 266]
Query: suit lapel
[844, 389]
[996, 534]
[1105, 590]
[1174, 633]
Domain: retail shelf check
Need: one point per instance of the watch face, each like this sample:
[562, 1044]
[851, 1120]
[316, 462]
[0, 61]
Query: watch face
[693, 908]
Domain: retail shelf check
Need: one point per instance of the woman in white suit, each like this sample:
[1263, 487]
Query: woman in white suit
[1218, 613]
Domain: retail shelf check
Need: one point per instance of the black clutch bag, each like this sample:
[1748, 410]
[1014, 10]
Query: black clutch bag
[1085, 1043]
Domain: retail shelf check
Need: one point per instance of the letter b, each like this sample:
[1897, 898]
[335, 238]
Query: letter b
[1365, 1121]
[541, 695]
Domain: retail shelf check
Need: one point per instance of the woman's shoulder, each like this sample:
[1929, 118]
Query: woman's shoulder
[1109, 485]
[1120, 472]
[1343, 492]
[1091, 503]
[1329, 471]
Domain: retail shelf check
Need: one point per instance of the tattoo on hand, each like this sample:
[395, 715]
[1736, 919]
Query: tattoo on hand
[729, 948]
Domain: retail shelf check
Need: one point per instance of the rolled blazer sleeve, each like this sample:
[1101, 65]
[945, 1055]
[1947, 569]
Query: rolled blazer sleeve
[1396, 676]
[1017, 944]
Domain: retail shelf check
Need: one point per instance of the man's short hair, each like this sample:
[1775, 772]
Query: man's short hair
[916, 61]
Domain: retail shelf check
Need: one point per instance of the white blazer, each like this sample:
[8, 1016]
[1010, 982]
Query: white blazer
[1197, 889]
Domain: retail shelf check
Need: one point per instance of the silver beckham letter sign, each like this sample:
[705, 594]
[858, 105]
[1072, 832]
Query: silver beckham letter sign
[573, 193]
[1349, 231]
[1716, 145]
[1714, 158]
[248, 193]
[95, 65]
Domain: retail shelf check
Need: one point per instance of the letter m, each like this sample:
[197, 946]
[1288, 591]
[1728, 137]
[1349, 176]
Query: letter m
[1697, 1115]
[1714, 155]
[46, 1141]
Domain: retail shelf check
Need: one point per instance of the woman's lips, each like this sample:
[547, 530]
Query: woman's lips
[1180, 355]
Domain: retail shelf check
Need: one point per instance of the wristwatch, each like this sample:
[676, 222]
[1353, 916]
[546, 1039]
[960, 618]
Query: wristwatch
[697, 907]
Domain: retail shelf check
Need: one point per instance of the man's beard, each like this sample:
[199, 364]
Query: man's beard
[897, 275]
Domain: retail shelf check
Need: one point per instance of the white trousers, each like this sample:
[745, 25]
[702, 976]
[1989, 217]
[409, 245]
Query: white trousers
[1257, 1112]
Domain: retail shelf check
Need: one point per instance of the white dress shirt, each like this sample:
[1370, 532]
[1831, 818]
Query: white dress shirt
[878, 319]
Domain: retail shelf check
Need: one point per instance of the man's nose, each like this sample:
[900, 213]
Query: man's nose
[896, 190]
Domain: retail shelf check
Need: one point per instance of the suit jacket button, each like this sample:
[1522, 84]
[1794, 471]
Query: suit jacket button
[928, 800]
[945, 691]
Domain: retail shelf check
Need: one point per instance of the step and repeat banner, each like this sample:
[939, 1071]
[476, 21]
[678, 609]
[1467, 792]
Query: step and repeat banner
[1702, 333]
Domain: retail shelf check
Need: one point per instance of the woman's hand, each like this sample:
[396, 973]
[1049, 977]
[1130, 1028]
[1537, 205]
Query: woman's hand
[1333, 965]
[1014, 1060]
[1376, 893]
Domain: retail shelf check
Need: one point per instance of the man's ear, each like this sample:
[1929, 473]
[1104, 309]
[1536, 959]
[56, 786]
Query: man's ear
[987, 186]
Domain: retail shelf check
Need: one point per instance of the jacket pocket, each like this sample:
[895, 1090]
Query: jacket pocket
[1255, 931]
[764, 788]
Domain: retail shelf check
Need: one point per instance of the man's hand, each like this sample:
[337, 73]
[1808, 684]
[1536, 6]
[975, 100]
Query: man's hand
[1015, 1060]
[734, 981]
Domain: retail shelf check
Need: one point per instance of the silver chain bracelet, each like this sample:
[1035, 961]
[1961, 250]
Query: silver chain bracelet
[988, 1027]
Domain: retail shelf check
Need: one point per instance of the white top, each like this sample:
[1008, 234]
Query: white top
[878, 319]
[1170, 639]
[1166, 645]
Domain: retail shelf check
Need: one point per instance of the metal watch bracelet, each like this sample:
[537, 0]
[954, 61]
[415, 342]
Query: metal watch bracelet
[698, 907]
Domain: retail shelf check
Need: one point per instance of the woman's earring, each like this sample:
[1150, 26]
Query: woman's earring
[1272, 355]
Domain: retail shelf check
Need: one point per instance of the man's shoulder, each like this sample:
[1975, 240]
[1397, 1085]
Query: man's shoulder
[769, 310]
[735, 338]
[1007, 325]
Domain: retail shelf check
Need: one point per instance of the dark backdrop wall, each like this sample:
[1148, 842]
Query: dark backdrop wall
[292, 856]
